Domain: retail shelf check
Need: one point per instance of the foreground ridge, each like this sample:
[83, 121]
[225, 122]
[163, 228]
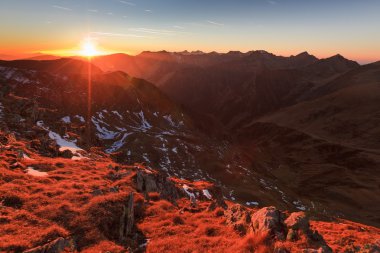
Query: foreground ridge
[93, 204]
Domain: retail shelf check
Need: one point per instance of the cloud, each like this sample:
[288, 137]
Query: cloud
[153, 31]
[61, 8]
[148, 10]
[108, 34]
[214, 23]
[127, 3]
[178, 27]
[272, 2]
[92, 10]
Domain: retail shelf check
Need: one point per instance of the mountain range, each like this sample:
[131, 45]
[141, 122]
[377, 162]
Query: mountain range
[299, 133]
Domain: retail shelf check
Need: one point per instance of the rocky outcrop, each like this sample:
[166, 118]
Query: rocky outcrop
[127, 219]
[239, 218]
[298, 221]
[59, 245]
[151, 181]
[297, 224]
[271, 221]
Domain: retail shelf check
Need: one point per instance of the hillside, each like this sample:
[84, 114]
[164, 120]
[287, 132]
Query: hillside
[233, 87]
[267, 142]
[92, 204]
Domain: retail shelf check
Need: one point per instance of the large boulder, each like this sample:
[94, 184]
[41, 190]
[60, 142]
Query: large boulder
[151, 181]
[269, 219]
[298, 221]
[239, 218]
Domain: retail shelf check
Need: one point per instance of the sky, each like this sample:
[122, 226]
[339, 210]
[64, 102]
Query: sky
[284, 27]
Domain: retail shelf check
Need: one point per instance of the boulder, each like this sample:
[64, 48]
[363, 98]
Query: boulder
[151, 181]
[66, 154]
[239, 218]
[298, 221]
[268, 219]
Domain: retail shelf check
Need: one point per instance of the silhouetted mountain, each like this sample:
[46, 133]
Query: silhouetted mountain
[331, 66]
[61, 66]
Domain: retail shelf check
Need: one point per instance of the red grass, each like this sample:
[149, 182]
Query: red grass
[344, 236]
[84, 199]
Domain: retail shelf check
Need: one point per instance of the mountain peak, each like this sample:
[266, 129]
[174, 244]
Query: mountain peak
[338, 58]
[305, 53]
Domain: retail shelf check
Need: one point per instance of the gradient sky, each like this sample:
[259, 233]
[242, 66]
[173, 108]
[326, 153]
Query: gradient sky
[285, 27]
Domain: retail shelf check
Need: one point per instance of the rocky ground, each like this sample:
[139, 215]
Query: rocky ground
[92, 204]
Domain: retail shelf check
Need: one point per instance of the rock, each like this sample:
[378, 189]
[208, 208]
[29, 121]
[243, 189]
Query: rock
[97, 192]
[292, 235]
[218, 198]
[57, 246]
[127, 219]
[18, 165]
[268, 219]
[66, 154]
[147, 181]
[239, 218]
[298, 221]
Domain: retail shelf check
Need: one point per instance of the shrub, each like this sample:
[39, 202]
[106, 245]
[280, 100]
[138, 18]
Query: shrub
[211, 231]
[219, 212]
[12, 201]
[177, 220]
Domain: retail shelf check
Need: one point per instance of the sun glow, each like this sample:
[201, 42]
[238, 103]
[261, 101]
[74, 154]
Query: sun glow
[89, 49]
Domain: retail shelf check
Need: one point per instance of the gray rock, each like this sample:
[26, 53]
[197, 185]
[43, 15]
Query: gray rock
[127, 219]
[298, 221]
[59, 245]
[268, 219]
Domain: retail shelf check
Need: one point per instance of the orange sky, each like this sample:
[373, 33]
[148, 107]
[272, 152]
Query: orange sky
[323, 28]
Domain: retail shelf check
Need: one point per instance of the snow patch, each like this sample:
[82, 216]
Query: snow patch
[41, 124]
[64, 144]
[252, 203]
[78, 157]
[36, 173]
[299, 205]
[118, 114]
[103, 133]
[144, 123]
[207, 194]
[186, 188]
[118, 144]
[80, 118]
[66, 119]
[26, 157]
[170, 120]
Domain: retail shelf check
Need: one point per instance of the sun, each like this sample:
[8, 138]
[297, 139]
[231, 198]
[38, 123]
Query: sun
[89, 49]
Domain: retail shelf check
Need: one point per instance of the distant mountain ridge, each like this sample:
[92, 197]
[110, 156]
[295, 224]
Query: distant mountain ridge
[251, 123]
